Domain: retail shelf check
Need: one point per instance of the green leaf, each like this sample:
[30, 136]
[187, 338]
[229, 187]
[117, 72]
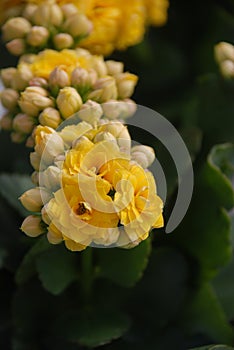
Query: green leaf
[124, 266]
[12, 186]
[57, 268]
[27, 267]
[94, 327]
[204, 315]
[213, 347]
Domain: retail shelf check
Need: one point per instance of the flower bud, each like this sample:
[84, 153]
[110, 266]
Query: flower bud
[99, 66]
[35, 198]
[48, 14]
[37, 36]
[35, 160]
[30, 142]
[48, 144]
[63, 41]
[114, 109]
[28, 11]
[120, 132]
[78, 25]
[16, 47]
[227, 69]
[69, 10]
[50, 178]
[104, 90]
[33, 100]
[16, 27]
[27, 58]
[21, 78]
[35, 178]
[90, 112]
[58, 79]
[114, 67]
[33, 226]
[68, 101]
[23, 123]
[6, 122]
[126, 83]
[83, 79]
[50, 117]
[9, 99]
[17, 137]
[143, 155]
[7, 75]
[38, 81]
[224, 51]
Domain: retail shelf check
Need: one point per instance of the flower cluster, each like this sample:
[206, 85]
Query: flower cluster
[224, 55]
[100, 26]
[52, 86]
[92, 187]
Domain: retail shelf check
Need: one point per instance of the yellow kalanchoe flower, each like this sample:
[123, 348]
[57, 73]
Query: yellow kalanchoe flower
[100, 196]
[98, 25]
[52, 86]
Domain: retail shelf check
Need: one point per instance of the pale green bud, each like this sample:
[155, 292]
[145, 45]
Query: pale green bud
[37, 36]
[23, 123]
[50, 117]
[68, 101]
[16, 27]
[9, 99]
[33, 226]
[63, 41]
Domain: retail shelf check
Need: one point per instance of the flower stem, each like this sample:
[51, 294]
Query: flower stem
[87, 273]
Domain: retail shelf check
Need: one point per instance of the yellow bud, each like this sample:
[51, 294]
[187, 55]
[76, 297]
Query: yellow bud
[68, 101]
[9, 99]
[16, 27]
[17, 137]
[69, 10]
[50, 117]
[23, 123]
[35, 160]
[58, 79]
[35, 198]
[33, 100]
[33, 226]
[63, 41]
[37, 36]
[224, 51]
[114, 67]
[27, 58]
[16, 47]
[82, 78]
[90, 112]
[7, 75]
[78, 25]
[48, 14]
[28, 11]
[22, 77]
[227, 69]
[6, 122]
[114, 109]
[143, 155]
[99, 66]
[35, 178]
[126, 83]
[104, 89]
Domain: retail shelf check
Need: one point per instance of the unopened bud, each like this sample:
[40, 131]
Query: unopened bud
[9, 99]
[6, 122]
[38, 81]
[16, 27]
[63, 41]
[114, 109]
[82, 78]
[33, 100]
[34, 198]
[35, 160]
[68, 101]
[99, 66]
[16, 47]
[48, 14]
[7, 76]
[224, 51]
[22, 77]
[104, 90]
[90, 112]
[33, 226]
[23, 123]
[143, 155]
[50, 178]
[27, 58]
[114, 67]
[38, 36]
[50, 117]
[227, 69]
[28, 11]
[35, 178]
[58, 79]
[78, 25]
[126, 83]
[69, 10]
[30, 141]
[120, 132]
[48, 144]
[17, 137]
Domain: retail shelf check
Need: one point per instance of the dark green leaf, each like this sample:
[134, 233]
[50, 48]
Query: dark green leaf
[57, 268]
[12, 186]
[124, 266]
[214, 347]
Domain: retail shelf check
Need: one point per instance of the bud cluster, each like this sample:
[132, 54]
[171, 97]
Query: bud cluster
[52, 86]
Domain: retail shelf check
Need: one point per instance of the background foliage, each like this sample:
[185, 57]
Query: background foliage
[174, 291]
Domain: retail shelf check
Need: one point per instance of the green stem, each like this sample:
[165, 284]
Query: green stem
[87, 273]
